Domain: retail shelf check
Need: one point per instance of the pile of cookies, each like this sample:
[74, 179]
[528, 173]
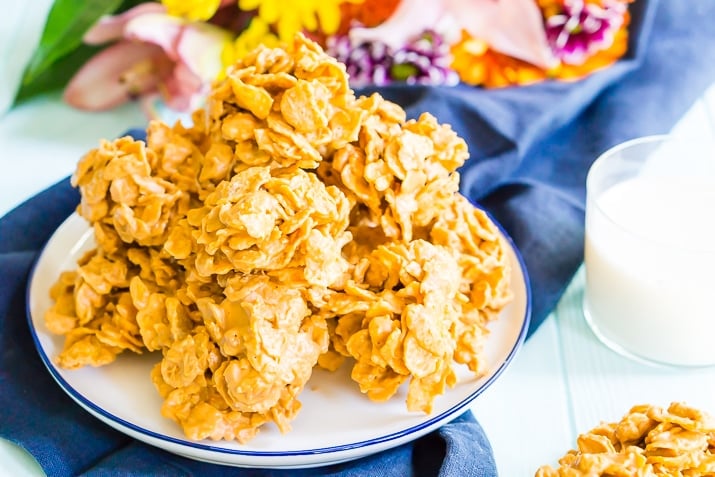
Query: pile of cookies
[291, 225]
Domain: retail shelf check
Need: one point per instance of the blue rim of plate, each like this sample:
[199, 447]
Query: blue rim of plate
[451, 412]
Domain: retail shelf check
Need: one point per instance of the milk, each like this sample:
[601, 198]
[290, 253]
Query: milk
[650, 268]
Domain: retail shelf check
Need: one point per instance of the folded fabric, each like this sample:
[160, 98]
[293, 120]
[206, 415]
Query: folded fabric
[530, 147]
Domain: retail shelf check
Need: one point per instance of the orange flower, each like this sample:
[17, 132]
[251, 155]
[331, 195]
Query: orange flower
[370, 13]
[478, 65]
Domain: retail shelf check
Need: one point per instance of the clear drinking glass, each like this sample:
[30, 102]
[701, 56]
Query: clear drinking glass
[650, 250]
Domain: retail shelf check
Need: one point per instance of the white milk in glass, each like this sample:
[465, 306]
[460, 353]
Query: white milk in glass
[650, 268]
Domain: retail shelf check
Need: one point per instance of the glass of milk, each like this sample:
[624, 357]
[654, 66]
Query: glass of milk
[650, 250]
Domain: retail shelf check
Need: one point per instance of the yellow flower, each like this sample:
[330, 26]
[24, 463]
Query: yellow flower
[292, 16]
[195, 10]
[257, 33]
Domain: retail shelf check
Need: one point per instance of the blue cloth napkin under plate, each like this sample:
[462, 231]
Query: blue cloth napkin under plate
[530, 150]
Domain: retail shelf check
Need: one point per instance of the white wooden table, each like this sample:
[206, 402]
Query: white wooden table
[561, 383]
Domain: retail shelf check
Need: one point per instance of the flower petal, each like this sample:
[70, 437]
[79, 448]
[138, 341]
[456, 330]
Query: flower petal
[199, 47]
[288, 25]
[307, 19]
[257, 33]
[195, 10]
[111, 27]
[159, 29]
[410, 19]
[249, 4]
[269, 11]
[329, 16]
[181, 89]
[103, 83]
[511, 27]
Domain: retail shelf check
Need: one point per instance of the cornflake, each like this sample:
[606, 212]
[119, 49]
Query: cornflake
[292, 225]
[647, 441]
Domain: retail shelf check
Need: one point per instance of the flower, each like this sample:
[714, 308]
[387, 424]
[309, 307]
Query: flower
[369, 13]
[584, 37]
[366, 63]
[173, 49]
[423, 60]
[192, 9]
[478, 65]
[293, 16]
[257, 33]
[153, 54]
[513, 27]
[600, 59]
[581, 29]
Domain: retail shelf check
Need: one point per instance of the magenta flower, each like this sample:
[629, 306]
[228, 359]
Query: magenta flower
[153, 54]
[423, 60]
[582, 29]
[367, 63]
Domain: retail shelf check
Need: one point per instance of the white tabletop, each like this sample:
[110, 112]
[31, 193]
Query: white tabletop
[562, 382]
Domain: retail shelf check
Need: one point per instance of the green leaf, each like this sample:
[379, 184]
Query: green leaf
[58, 76]
[66, 23]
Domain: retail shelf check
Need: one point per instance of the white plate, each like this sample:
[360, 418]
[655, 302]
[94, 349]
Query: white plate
[336, 423]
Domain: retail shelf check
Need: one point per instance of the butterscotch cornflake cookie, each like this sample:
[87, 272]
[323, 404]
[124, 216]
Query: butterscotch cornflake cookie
[648, 441]
[401, 174]
[123, 195]
[283, 108]
[485, 274]
[263, 219]
[292, 225]
[97, 311]
[253, 356]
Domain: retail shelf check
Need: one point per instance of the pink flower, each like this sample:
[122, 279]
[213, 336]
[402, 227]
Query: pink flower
[153, 54]
[511, 27]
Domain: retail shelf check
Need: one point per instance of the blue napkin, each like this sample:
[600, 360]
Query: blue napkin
[530, 147]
